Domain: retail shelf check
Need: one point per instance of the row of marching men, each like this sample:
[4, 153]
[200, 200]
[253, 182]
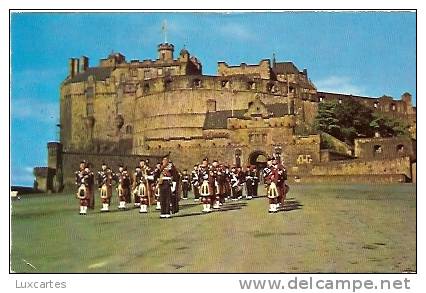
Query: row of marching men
[216, 183]
[144, 186]
[212, 184]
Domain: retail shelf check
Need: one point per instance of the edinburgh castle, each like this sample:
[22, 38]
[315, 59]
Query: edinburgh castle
[120, 111]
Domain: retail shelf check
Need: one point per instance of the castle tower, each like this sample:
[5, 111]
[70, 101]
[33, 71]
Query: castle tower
[54, 166]
[165, 52]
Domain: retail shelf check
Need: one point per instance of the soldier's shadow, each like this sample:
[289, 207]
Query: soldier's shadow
[189, 205]
[291, 205]
[224, 208]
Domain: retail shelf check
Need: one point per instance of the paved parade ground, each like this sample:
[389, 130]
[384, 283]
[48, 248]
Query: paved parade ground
[324, 228]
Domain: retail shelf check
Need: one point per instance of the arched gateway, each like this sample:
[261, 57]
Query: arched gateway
[258, 158]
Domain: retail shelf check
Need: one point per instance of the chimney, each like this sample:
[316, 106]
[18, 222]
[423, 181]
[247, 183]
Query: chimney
[71, 71]
[76, 66]
[84, 63]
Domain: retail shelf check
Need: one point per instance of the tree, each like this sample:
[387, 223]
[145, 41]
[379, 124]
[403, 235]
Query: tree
[354, 119]
[387, 126]
[350, 119]
[326, 119]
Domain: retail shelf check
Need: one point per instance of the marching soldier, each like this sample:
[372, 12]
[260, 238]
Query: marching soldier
[214, 185]
[235, 184]
[123, 188]
[282, 187]
[273, 192]
[228, 191]
[90, 186]
[252, 181]
[249, 182]
[195, 182]
[156, 187]
[241, 181]
[137, 186]
[255, 174]
[175, 188]
[145, 191]
[105, 178]
[185, 184]
[205, 191]
[221, 181]
[82, 181]
[165, 186]
[151, 180]
[267, 179]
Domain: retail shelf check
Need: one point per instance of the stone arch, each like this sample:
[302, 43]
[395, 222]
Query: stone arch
[258, 158]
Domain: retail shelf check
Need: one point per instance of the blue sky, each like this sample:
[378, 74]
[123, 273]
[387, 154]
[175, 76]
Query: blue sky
[359, 53]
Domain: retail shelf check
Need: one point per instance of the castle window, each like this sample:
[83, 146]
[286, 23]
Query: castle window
[251, 85]
[321, 99]
[196, 83]
[168, 84]
[145, 88]
[393, 107]
[159, 146]
[378, 149]
[160, 71]
[340, 101]
[291, 89]
[271, 88]
[134, 73]
[225, 84]
[400, 148]
[376, 104]
[129, 129]
[147, 74]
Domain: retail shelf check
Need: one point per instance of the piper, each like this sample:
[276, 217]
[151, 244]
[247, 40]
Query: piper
[105, 177]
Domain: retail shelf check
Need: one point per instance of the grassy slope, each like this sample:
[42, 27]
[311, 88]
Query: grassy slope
[356, 228]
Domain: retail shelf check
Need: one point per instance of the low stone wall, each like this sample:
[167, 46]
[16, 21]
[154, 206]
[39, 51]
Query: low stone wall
[329, 155]
[370, 179]
[400, 165]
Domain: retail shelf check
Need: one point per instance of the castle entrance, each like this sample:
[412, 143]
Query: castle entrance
[258, 158]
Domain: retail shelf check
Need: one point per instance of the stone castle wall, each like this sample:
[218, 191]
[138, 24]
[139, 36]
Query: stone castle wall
[151, 108]
[384, 148]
